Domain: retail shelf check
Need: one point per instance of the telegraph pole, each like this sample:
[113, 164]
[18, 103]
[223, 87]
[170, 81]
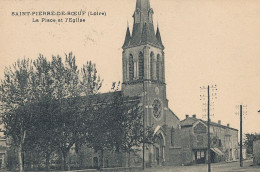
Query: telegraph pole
[210, 97]
[209, 159]
[241, 122]
[242, 112]
[143, 126]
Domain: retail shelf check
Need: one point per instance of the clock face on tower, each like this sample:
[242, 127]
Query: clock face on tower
[157, 108]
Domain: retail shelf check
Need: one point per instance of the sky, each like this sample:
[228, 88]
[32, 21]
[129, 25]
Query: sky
[207, 42]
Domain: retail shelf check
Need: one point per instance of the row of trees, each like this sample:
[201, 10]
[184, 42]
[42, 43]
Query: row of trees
[49, 106]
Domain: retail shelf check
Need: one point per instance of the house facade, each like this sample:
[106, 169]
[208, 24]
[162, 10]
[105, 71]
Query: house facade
[194, 136]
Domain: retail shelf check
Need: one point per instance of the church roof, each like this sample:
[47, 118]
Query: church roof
[174, 114]
[108, 97]
[103, 97]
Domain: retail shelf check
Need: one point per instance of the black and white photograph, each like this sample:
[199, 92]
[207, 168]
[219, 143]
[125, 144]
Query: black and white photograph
[130, 85]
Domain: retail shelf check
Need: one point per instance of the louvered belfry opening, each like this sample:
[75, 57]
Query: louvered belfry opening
[131, 67]
[143, 48]
[141, 65]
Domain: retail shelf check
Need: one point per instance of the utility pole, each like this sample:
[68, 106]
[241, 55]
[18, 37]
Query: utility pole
[242, 112]
[210, 96]
[209, 165]
[241, 118]
[143, 126]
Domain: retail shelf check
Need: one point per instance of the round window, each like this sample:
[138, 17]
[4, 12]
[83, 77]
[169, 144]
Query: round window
[157, 108]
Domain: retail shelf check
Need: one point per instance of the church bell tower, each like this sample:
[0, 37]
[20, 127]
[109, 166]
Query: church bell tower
[143, 57]
[144, 76]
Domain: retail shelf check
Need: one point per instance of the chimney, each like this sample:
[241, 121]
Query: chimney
[194, 116]
[219, 122]
[228, 125]
[187, 116]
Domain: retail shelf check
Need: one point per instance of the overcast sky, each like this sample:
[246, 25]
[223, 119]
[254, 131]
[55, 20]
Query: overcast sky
[206, 42]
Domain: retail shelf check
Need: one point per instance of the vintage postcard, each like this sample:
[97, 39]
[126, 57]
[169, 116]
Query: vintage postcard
[130, 85]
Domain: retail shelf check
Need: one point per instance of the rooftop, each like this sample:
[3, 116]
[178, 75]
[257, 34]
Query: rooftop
[189, 121]
[143, 29]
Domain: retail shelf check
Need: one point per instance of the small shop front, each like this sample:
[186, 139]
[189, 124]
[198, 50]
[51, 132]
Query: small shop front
[199, 156]
[216, 155]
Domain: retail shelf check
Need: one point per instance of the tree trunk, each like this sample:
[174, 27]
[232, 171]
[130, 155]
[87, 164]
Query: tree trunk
[129, 159]
[64, 156]
[20, 158]
[47, 159]
[102, 159]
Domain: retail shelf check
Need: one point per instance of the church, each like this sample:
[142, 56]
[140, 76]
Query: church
[175, 142]
[143, 64]
[143, 60]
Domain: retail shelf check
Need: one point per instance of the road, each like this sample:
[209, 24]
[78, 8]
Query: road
[216, 167]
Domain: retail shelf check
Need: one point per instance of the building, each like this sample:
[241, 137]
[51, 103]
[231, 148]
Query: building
[194, 136]
[256, 152]
[144, 77]
[176, 142]
[144, 74]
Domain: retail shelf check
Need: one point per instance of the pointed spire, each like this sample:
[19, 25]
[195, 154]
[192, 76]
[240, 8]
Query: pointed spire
[158, 35]
[127, 36]
[145, 34]
[143, 31]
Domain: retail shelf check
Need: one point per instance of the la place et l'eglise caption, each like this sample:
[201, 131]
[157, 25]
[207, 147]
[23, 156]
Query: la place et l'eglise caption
[70, 16]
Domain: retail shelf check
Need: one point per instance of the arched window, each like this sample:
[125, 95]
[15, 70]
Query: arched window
[158, 67]
[131, 67]
[151, 65]
[141, 65]
[172, 136]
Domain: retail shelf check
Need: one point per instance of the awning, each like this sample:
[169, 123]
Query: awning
[217, 151]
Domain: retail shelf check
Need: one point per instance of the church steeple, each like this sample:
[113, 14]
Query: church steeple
[143, 28]
[143, 66]
[143, 4]
[143, 56]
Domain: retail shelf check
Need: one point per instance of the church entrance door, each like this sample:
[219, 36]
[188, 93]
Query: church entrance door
[159, 149]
